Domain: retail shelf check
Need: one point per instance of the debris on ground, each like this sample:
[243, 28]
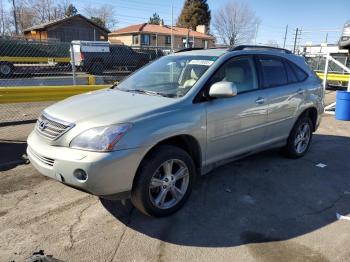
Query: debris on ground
[340, 217]
[321, 165]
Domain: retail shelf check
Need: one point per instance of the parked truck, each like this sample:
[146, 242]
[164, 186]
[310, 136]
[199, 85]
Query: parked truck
[95, 57]
[19, 52]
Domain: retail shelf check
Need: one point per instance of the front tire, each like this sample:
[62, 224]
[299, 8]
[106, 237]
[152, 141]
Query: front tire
[300, 138]
[164, 181]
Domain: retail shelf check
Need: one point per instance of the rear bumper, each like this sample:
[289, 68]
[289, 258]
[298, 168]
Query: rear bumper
[108, 174]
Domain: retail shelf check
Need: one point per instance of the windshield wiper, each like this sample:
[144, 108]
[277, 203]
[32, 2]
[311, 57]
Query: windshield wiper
[148, 92]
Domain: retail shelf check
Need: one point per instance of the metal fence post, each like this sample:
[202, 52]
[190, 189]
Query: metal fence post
[325, 75]
[73, 64]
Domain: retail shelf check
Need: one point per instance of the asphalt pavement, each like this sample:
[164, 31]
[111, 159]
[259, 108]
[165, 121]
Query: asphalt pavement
[261, 208]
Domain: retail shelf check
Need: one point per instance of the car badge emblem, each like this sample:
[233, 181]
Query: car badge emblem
[42, 125]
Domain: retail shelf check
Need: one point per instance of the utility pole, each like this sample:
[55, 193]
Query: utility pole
[285, 37]
[172, 21]
[295, 39]
[15, 16]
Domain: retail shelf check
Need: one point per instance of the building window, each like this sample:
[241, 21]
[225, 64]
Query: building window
[167, 39]
[135, 39]
[190, 43]
[145, 39]
[205, 44]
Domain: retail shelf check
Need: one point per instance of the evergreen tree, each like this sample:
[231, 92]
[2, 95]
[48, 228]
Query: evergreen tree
[154, 20]
[98, 21]
[71, 11]
[194, 12]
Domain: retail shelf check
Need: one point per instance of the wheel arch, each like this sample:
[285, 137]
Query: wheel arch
[186, 142]
[312, 113]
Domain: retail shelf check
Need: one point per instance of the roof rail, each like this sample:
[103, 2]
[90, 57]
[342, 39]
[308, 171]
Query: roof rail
[189, 49]
[259, 47]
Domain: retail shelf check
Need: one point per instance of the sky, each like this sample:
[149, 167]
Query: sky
[314, 17]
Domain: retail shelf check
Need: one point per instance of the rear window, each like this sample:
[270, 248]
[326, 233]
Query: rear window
[274, 73]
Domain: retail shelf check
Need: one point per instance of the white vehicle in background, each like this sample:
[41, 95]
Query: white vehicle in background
[344, 42]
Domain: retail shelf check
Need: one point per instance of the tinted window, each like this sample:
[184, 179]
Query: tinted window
[240, 71]
[301, 75]
[290, 73]
[273, 71]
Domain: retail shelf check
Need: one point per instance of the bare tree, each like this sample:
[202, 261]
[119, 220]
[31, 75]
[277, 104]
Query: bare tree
[235, 23]
[105, 13]
[2, 18]
[25, 15]
[29, 13]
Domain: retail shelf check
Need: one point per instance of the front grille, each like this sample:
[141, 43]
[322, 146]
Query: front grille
[43, 159]
[51, 128]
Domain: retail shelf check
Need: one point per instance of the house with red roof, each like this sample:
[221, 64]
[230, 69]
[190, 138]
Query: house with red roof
[151, 35]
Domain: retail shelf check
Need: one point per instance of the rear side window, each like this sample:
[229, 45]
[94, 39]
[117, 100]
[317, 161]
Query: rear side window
[274, 73]
[292, 78]
[300, 74]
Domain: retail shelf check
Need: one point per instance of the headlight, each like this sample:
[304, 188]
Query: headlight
[100, 138]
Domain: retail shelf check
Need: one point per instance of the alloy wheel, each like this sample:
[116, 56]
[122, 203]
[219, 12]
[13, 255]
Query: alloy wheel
[302, 138]
[169, 184]
[5, 69]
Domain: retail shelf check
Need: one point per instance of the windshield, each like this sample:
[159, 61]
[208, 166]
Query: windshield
[170, 76]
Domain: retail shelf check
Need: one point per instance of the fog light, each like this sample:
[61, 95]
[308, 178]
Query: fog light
[80, 175]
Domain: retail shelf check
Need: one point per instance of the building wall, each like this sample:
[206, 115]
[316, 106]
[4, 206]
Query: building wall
[36, 35]
[159, 40]
[124, 39]
[75, 29]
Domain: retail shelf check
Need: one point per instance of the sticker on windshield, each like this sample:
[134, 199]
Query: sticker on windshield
[201, 62]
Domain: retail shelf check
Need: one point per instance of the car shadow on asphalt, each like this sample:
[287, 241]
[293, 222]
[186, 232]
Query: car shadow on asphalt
[11, 154]
[262, 198]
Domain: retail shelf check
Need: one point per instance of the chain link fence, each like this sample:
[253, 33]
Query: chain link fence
[43, 69]
[317, 64]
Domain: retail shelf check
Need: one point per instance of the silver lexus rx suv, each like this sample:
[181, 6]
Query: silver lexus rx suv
[179, 117]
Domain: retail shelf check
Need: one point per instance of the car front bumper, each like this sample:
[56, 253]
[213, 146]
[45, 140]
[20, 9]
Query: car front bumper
[108, 174]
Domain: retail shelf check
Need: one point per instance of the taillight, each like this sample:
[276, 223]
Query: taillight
[81, 56]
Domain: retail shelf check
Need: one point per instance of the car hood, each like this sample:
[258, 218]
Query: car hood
[108, 106]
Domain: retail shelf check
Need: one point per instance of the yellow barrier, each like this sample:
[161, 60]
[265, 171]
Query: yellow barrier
[335, 77]
[29, 59]
[91, 80]
[43, 93]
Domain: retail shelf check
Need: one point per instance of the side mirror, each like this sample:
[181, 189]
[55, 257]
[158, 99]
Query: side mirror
[223, 89]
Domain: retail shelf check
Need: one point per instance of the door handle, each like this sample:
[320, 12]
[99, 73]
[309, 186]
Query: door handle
[260, 100]
[301, 91]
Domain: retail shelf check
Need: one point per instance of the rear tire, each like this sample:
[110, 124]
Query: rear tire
[299, 139]
[163, 182]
